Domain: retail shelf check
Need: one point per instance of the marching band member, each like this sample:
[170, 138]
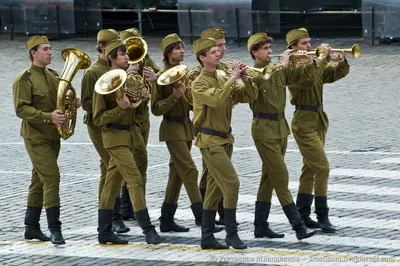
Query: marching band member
[119, 135]
[309, 127]
[270, 132]
[177, 131]
[213, 97]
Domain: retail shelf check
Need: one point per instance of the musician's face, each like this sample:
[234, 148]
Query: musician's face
[221, 44]
[122, 60]
[302, 44]
[177, 54]
[212, 57]
[42, 57]
[264, 53]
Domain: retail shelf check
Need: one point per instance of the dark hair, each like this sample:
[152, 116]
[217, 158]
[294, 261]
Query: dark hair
[257, 46]
[35, 48]
[104, 43]
[203, 53]
[114, 54]
[169, 49]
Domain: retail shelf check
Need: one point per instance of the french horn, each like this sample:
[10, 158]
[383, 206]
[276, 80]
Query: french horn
[75, 59]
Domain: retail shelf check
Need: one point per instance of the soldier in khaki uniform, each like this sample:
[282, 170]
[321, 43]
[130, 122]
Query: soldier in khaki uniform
[92, 74]
[270, 132]
[213, 97]
[35, 98]
[177, 131]
[309, 126]
[218, 34]
[142, 121]
[119, 135]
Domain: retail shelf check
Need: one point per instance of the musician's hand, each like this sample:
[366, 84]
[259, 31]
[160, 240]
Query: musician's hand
[326, 48]
[149, 73]
[145, 93]
[245, 77]
[285, 58]
[78, 103]
[124, 103]
[57, 117]
[133, 68]
[337, 57]
[237, 69]
[178, 92]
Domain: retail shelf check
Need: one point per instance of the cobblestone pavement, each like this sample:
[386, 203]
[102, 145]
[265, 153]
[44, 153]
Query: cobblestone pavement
[362, 144]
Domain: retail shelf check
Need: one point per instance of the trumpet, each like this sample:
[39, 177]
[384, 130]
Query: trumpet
[252, 72]
[354, 51]
[297, 59]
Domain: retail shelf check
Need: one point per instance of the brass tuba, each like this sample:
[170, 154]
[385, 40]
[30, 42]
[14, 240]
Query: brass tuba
[75, 59]
[177, 76]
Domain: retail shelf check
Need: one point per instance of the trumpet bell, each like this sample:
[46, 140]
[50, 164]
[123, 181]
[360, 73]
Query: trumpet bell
[136, 49]
[174, 76]
[355, 51]
[111, 81]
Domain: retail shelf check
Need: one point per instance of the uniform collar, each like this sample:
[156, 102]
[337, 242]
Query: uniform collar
[37, 68]
[257, 65]
[169, 66]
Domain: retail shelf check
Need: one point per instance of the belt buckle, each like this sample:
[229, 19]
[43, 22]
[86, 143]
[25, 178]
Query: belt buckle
[279, 117]
[319, 108]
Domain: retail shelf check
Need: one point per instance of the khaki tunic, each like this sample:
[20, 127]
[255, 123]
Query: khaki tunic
[34, 98]
[309, 128]
[92, 74]
[270, 136]
[178, 136]
[213, 98]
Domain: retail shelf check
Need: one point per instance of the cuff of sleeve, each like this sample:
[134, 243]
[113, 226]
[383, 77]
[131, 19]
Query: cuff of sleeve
[172, 99]
[229, 83]
[47, 118]
[118, 110]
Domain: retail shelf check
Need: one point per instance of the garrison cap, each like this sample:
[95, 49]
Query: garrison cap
[258, 37]
[168, 40]
[295, 35]
[35, 40]
[107, 35]
[113, 45]
[215, 32]
[132, 32]
[202, 44]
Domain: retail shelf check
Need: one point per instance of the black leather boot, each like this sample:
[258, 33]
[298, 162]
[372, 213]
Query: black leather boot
[208, 240]
[127, 211]
[151, 235]
[106, 235]
[322, 211]
[54, 224]
[118, 225]
[297, 223]
[167, 223]
[32, 226]
[232, 239]
[261, 226]
[303, 203]
[197, 209]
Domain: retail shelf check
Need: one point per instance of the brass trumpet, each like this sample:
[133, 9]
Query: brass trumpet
[295, 59]
[354, 51]
[252, 72]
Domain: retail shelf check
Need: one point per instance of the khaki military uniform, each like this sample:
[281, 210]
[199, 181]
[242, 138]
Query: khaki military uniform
[92, 74]
[177, 131]
[213, 97]
[118, 135]
[270, 128]
[310, 124]
[35, 97]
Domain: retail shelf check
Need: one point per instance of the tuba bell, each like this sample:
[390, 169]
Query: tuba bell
[177, 76]
[75, 59]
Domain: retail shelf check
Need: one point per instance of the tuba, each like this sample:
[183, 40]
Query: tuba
[75, 59]
[177, 76]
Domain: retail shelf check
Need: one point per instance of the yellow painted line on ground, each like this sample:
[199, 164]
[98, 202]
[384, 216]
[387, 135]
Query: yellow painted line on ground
[331, 256]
